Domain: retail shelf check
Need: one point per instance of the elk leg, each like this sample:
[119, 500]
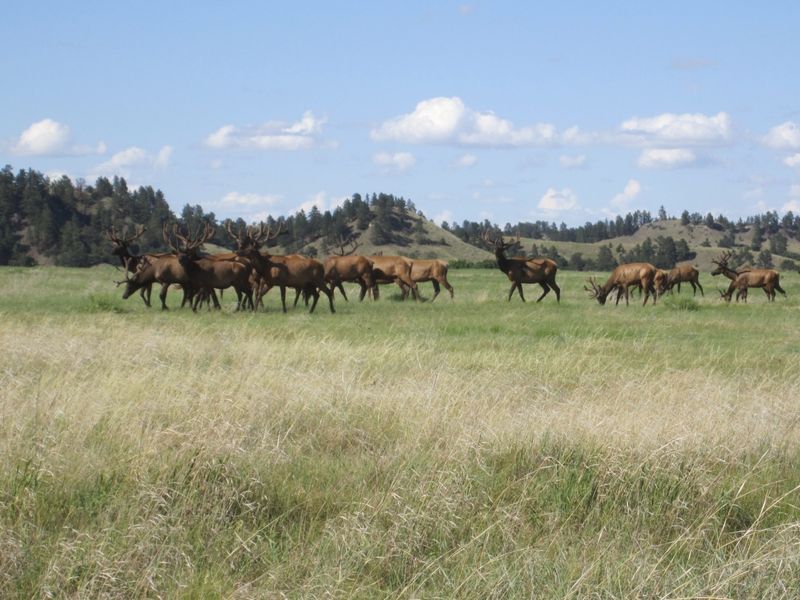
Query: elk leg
[511, 291]
[448, 287]
[364, 290]
[376, 293]
[315, 293]
[436, 289]
[545, 292]
[341, 289]
[403, 289]
[329, 294]
[701, 289]
[296, 296]
[521, 295]
[162, 295]
[283, 297]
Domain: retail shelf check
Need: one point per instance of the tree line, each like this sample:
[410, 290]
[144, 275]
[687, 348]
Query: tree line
[57, 220]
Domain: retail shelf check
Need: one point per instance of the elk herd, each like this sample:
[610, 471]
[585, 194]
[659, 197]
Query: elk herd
[252, 271]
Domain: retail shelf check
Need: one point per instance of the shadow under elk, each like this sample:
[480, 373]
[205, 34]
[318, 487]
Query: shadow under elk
[520, 269]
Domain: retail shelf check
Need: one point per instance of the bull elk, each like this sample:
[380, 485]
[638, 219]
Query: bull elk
[684, 274]
[159, 268]
[305, 274]
[623, 277]
[433, 270]
[767, 279]
[130, 262]
[345, 266]
[392, 269]
[524, 270]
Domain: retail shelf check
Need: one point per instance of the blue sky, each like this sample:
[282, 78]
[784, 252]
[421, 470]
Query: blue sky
[503, 110]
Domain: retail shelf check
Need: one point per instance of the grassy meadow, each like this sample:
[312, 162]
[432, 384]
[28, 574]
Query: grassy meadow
[474, 448]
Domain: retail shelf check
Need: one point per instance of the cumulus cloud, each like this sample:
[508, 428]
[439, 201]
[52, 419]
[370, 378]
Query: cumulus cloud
[273, 135]
[322, 201]
[572, 162]
[666, 158]
[792, 161]
[622, 200]
[466, 161]
[394, 163]
[558, 200]
[685, 129]
[783, 136]
[449, 121]
[238, 199]
[51, 138]
[123, 162]
[793, 204]
[443, 216]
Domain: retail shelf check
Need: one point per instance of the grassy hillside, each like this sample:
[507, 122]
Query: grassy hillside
[694, 235]
[474, 448]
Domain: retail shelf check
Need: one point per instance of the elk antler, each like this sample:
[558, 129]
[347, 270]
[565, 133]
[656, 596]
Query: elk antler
[263, 233]
[722, 259]
[343, 243]
[595, 291]
[167, 240]
[126, 271]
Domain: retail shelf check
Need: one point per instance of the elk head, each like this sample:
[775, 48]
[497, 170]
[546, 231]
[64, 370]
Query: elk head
[121, 242]
[722, 263]
[189, 245]
[597, 291]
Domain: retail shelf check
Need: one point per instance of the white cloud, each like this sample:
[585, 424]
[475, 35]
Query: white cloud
[793, 204]
[273, 135]
[163, 158]
[558, 200]
[572, 162]
[623, 199]
[450, 121]
[249, 199]
[666, 158]
[443, 216]
[792, 161]
[124, 161]
[466, 161]
[48, 138]
[322, 201]
[785, 135]
[398, 162]
[669, 128]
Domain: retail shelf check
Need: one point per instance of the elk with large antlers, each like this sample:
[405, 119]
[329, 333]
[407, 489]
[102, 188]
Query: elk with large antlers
[767, 279]
[305, 274]
[345, 266]
[433, 270]
[524, 270]
[130, 262]
[623, 277]
[208, 272]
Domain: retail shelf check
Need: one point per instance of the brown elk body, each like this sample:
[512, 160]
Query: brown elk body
[130, 262]
[301, 273]
[767, 279]
[624, 277]
[433, 270]
[392, 269]
[347, 267]
[165, 270]
[521, 270]
[685, 274]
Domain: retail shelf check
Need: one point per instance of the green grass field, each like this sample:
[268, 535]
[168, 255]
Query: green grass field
[475, 448]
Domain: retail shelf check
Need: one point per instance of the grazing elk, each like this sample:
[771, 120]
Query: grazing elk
[344, 266]
[130, 262]
[623, 277]
[524, 270]
[741, 280]
[392, 269]
[301, 273]
[434, 270]
[684, 274]
[159, 268]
